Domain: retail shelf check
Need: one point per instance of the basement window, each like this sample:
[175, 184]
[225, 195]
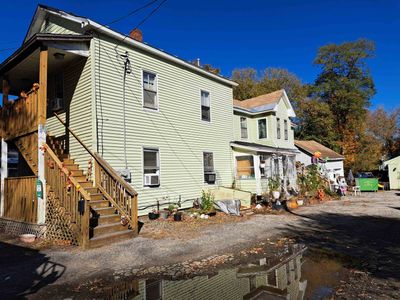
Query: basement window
[150, 90]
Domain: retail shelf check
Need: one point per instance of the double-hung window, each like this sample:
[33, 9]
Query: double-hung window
[262, 128]
[151, 167]
[205, 106]
[286, 130]
[208, 164]
[243, 128]
[150, 90]
[278, 128]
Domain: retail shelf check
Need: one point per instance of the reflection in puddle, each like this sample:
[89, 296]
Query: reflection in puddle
[288, 276]
[258, 280]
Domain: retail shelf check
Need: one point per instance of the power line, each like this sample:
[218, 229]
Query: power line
[150, 14]
[131, 13]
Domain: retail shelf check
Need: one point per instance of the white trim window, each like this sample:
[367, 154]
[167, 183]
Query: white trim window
[151, 167]
[286, 130]
[205, 106]
[262, 129]
[278, 128]
[150, 94]
[208, 164]
[243, 128]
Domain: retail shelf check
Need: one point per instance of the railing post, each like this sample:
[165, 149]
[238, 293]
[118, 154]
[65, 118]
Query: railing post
[3, 174]
[97, 173]
[42, 96]
[134, 213]
[85, 225]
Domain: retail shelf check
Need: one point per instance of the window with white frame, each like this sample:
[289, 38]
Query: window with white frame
[286, 130]
[150, 90]
[243, 128]
[205, 106]
[151, 167]
[262, 128]
[278, 128]
[208, 164]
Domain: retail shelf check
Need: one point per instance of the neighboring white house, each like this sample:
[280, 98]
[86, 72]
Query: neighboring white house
[331, 161]
[394, 172]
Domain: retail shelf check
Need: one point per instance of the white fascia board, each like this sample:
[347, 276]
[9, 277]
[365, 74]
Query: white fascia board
[291, 112]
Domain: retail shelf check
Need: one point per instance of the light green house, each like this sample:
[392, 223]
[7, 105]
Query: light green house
[264, 142]
[393, 166]
[163, 123]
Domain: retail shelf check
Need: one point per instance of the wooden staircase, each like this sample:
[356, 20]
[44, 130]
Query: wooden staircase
[28, 147]
[105, 221]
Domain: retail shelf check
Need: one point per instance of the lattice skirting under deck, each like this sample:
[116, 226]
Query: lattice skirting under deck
[13, 227]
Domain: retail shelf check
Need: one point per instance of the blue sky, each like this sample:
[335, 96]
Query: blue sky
[237, 34]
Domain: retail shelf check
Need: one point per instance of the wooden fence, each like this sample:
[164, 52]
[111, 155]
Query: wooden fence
[20, 201]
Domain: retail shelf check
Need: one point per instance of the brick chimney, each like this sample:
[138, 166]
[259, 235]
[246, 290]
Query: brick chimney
[136, 34]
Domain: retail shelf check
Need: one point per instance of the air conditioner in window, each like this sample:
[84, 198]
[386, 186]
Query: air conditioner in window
[57, 104]
[151, 179]
[209, 177]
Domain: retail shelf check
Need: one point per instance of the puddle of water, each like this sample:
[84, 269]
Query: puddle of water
[298, 275]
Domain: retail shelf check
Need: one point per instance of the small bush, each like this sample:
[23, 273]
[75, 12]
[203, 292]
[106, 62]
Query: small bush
[207, 200]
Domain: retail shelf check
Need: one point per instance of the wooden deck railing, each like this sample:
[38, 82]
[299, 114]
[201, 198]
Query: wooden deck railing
[121, 194]
[71, 196]
[20, 201]
[116, 189]
[19, 117]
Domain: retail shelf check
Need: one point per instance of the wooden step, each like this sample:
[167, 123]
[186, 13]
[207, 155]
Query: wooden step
[108, 228]
[80, 178]
[92, 191]
[72, 167]
[96, 197]
[107, 239]
[99, 203]
[86, 184]
[107, 219]
[77, 173]
[105, 211]
[68, 161]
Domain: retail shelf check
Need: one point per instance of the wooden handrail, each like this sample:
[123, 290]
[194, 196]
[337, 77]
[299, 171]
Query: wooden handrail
[100, 161]
[85, 195]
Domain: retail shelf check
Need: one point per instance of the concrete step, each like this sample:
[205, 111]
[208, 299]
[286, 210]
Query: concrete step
[106, 239]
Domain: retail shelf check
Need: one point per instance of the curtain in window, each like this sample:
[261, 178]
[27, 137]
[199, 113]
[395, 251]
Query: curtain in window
[262, 129]
[243, 127]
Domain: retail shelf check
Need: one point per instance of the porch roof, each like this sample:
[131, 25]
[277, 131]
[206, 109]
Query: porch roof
[263, 149]
[24, 62]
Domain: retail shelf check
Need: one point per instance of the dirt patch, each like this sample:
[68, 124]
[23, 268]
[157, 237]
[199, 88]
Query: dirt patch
[186, 229]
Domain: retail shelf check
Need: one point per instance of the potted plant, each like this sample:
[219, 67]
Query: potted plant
[207, 203]
[164, 214]
[274, 186]
[154, 214]
[178, 216]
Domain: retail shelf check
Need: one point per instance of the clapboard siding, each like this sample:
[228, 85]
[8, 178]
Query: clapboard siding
[57, 25]
[176, 129]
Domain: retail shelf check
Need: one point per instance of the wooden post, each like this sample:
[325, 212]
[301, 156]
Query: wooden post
[85, 226]
[42, 111]
[42, 95]
[3, 174]
[134, 214]
[97, 173]
[5, 90]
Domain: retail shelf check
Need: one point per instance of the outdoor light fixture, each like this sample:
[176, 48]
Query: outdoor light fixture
[59, 56]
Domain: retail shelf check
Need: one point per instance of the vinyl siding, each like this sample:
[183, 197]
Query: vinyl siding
[176, 129]
[271, 140]
[60, 26]
[77, 98]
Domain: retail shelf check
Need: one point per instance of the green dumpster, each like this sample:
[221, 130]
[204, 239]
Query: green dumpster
[367, 184]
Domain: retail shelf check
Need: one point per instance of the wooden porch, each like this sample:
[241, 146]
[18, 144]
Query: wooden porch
[87, 210]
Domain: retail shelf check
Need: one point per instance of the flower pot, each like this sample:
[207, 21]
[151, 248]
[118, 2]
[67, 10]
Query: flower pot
[178, 217]
[27, 238]
[153, 215]
[164, 214]
[276, 194]
[291, 204]
[212, 213]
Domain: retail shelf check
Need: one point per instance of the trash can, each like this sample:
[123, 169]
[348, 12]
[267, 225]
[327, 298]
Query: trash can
[367, 184]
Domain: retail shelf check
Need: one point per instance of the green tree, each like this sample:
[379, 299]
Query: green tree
[345, 83]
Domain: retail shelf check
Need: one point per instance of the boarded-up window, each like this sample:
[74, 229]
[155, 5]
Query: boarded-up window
[243, 127]
[205, 106]
[262, 128]
[244, 167]
[150, 90]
